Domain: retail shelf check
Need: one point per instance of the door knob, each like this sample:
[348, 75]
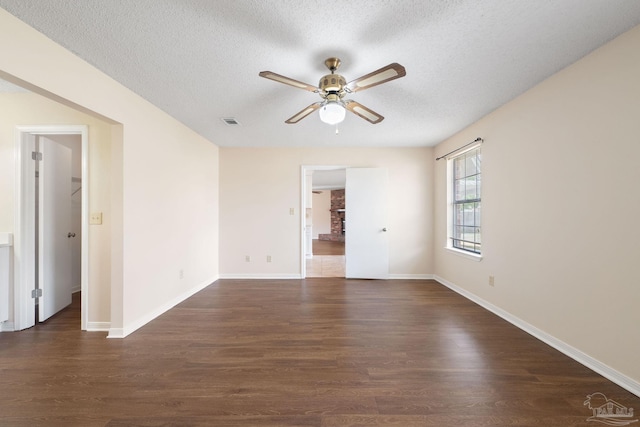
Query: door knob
[70, 235]
[384, 229]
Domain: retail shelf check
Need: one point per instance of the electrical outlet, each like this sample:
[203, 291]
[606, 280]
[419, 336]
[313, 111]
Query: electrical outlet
[247, 258]
[268, 258]
[95, 218]
[491, 281]
[182, 274]
[292, 211]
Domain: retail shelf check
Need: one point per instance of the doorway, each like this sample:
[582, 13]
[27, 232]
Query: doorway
[365, 226]
[318, 260]
[328, 226]
[26, 261]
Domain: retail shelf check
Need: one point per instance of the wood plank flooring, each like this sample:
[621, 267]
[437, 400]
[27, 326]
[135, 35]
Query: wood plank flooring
[327, 247]
[314, 352]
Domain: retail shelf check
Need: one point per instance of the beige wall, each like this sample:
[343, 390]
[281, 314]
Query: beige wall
[23, 109]
[164, 182]
[321, 213]
[559, 198]
[560, 207]
[258, 186]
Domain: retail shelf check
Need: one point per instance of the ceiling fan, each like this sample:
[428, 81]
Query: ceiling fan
[332, 89]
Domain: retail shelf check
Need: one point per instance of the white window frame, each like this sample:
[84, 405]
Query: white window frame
[450, 206]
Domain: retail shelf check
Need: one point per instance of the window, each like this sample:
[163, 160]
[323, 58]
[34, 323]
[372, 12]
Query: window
[465, 228]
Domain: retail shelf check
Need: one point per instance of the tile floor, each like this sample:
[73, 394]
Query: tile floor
[326, 266]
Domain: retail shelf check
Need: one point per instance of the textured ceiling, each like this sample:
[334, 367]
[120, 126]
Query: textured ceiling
[198, 60]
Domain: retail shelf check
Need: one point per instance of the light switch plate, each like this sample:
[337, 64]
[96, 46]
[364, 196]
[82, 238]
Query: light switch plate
[95, 218]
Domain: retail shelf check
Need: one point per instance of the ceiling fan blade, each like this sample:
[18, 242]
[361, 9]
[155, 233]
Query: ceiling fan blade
[364, 112]
[288, 81]
[383, 75]
[303, 113]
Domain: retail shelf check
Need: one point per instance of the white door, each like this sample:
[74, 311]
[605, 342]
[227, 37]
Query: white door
[366, 247]
[54, 253]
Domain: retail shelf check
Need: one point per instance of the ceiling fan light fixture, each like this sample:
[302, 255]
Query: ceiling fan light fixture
[333, 87]
[332, 112]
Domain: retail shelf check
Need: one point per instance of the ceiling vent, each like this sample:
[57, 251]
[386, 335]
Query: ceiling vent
[230, 121]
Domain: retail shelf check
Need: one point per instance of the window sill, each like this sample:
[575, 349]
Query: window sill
[465, 254]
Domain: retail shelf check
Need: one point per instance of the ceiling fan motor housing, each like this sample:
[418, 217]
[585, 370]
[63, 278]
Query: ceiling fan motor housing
[332, 83]
[333, 87]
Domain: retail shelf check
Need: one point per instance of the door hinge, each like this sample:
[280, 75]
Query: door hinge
[37, 156]
[36, 293]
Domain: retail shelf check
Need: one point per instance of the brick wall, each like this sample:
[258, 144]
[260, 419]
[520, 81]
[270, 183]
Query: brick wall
[337, 202]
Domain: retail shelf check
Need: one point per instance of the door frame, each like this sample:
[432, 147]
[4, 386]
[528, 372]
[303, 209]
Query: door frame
[24, 238]
[305, 171]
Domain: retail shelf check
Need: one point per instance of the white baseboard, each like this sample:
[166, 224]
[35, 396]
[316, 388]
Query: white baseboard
[7, 327]
[116, 333]
[410, 276]
[595, 365]
[260, 276]
[98, 326]
[141, 321]
[91, 326]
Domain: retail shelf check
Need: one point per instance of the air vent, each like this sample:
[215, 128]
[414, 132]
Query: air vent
[230, 121]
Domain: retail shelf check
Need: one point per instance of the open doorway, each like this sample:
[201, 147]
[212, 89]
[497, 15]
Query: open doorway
[37, 157]
[328, 233]
[58, 222]
[366, 254]
[325, 231]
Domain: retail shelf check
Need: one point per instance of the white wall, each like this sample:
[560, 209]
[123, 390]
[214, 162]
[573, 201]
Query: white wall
[164, 179]
[259, 186]
[321, 213]
[560, 203]
[24, 108]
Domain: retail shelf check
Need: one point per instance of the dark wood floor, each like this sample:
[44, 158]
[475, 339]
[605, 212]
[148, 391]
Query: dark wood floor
[315, 352]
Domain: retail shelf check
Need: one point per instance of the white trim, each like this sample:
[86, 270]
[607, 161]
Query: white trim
[595, 365]
[303, 221]
[23, 247]
[116, 333]
[84, 227]
[23, 267]
[98, 326]
[263, 276]
[7, 327]
[260, 276]
[410, 277]
[141, 321]
[450, 190]
[464, 254]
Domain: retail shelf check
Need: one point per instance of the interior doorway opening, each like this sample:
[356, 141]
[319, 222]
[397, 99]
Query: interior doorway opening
[365, 226]
[30, 268]
[324, 222]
